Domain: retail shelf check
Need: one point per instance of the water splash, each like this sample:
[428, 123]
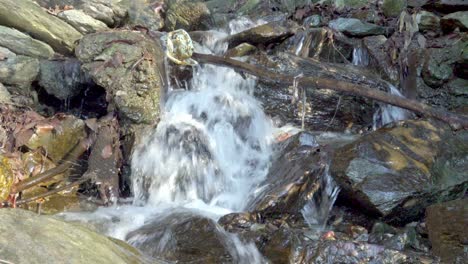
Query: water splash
[317, 209]
[389, 113]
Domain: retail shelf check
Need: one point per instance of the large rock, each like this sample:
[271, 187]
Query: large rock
[446, 223]
[264, 34]
[63, 79]
[355, 27]
[28, 17]
[82, 22]
[427, 21]
[142, 13]
[393, 8]
[455, 20]
[23, 44]
[184, 237]
[397, 171]
[30, 238]
[19, 70]
[379, 59]
[438, 63]
[292, 179]
[188, 15]
[129, 66]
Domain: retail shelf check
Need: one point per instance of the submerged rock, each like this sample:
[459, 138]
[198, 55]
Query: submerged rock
[48, 240]
[188, 238]
[446, 223]
[28, 17]
[63, 79]
[23, 44]
[293, 178]
[391, 172]
[129, 66]
[355, 27]
[82, 22]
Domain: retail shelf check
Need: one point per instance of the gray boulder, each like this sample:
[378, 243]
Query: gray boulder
[28, 17]
[188, 15]
[19, 70]
[356, 28]
[82, 22]
[23, 44]
[129, 66]
[30, 238]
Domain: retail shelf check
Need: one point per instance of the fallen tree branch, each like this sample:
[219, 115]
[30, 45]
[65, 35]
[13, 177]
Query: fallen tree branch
[455, 121]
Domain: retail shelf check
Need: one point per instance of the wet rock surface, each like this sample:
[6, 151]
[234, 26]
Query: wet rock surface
[446, 224]
[390, 172]
[46, 239]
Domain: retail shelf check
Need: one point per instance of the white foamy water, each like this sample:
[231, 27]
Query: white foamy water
[360, 57]
[389, 113]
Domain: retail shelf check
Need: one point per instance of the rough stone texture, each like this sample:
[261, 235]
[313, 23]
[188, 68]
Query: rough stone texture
[292, 179]
[264, 34]
[455, 20]
[19, 70]
[142, 13]
[355, 27]
[5, 96]
[23, 44]
[63, 79]
[397, 171]
[446, 223]
[48, 240]
[82, 22]
[188, 15]
[28, 17]
[6, 177]
[427, 21]
[128, 65]
[393, 8]
[350, 3]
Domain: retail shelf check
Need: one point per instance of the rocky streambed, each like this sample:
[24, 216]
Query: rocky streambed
[101, 135]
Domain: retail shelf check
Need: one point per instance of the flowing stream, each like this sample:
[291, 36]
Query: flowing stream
[211, 149]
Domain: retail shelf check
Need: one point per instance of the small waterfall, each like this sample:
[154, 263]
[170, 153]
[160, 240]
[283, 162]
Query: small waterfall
[389, 113]
[317, 209]
[360, 57]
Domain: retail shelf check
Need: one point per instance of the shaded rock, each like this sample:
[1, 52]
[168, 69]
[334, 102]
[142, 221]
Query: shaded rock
[265, 34]
[241, 50]
[128, 65]
[390, 171]
[427, 21]
[188, 15]
[47, 240]
[455, 20]
[336, 251]
[458, 87]
[28, 17]
[82, 22]
[341, 4]
[18, 70]
[63, 79]
[313, 21]
[355, 27]
[292, 179]
[376, 47]
[187, 238]
[393, 8]
[446, 223]
[445, 6]
[23, 44]
[321, 112]
[58, 140]
[142, 13]
[437, 65]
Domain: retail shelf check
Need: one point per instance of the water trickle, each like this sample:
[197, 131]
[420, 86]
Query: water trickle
[360, 57]
[317, 209]
[389, 113]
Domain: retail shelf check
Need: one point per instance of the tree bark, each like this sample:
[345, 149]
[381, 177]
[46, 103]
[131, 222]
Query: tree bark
[455, 121]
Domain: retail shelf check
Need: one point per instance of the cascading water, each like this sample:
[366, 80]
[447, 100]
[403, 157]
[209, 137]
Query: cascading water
[389, 113]
[360, 57]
